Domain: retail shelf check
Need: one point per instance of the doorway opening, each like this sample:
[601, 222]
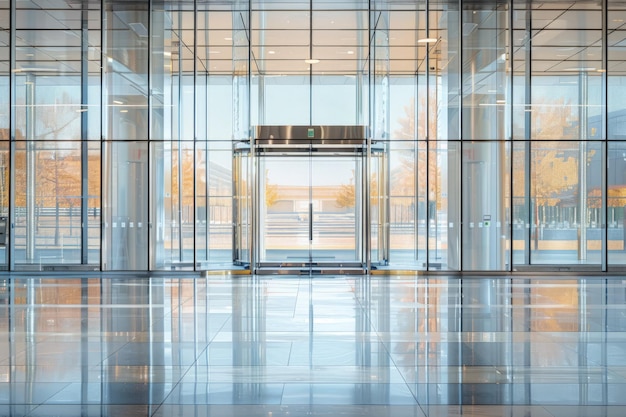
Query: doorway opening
[309, 206]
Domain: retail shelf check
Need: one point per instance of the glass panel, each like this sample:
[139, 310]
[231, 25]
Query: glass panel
[336, 191]
[201, 91]
[240, 72]
[567, 72]
[379, 224]
[407, 204]
[172, 76]
[485, 39]
[5, 133]
[5, 71]
[185, 165]
[242, 210]
[404, 53]
[94, 57]
[616, 203]
[48, 108]
[220, 99]
[444, 203]
[160, 180]
[214, 206]
[5, 172]
[281, 100]
[48, 203]
[126, 70]
[166, 47]
[616, 158]
[521, 216]
[94, 201]
[125, 198]
[335, 100]
[402, 109]
[445, 85]
[379, 68]
[48, 73]
[284, 197]
[310, 211]
[616, 75]
[566, 202]
[485, 186]
[172, 203]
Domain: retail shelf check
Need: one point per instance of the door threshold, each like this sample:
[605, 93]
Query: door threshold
[313, 270]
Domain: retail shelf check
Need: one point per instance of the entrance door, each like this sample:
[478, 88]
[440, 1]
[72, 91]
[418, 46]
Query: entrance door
[310, 211]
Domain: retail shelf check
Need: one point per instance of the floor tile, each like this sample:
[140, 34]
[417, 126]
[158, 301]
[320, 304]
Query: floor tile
[351, 394]
[243, 393]
[312, 410]
[326, 346]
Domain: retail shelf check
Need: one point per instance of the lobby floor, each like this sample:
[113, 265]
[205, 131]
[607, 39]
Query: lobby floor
[330, 346]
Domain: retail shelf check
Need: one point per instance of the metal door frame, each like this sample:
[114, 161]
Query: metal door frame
[311, 152]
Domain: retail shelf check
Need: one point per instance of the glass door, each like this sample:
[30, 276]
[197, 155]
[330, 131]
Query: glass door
[310, 211]
[336, 199]
[285, 216]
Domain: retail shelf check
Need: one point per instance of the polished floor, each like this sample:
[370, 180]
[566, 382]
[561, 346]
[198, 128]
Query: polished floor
[298, 346]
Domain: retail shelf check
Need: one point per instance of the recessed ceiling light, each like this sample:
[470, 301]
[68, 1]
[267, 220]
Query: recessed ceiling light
[427, 40]
[271, 52]
[228, 39]
[312, 61]
[350, 52]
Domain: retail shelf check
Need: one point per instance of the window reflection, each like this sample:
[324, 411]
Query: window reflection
[164, 335]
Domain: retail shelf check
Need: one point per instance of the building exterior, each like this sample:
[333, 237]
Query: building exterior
[428, 135]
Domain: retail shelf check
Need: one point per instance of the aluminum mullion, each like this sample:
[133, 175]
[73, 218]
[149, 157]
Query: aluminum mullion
[605, 136]
[149, 249]
[459, 177]
[12, 121]
[511, 20]
[103, 112]
[195, 134]
[527, 138]
[84, 124]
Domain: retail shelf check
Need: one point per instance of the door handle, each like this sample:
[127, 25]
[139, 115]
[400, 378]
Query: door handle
[311, 222]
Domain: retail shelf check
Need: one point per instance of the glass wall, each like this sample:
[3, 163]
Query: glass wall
[5, 129]
[616, 134]
[495, 130]
[54, 58]
[559, 118]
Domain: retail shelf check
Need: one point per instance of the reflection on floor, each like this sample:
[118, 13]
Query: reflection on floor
[343, 346]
